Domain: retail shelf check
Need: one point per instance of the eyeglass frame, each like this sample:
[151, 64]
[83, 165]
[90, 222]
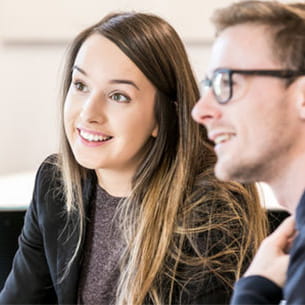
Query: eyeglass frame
[208, 82]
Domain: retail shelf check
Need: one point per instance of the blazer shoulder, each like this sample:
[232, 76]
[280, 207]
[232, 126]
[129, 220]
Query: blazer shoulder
[48, 188]
[48, 173]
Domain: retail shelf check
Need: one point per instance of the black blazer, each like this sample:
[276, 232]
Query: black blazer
[47, 243]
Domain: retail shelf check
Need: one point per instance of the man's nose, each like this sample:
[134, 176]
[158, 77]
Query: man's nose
[206, 109]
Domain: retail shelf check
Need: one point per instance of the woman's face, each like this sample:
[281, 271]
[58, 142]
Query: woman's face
[109, 108]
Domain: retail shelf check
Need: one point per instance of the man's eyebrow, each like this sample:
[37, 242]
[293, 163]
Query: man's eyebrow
[75, 67]
[124, 81]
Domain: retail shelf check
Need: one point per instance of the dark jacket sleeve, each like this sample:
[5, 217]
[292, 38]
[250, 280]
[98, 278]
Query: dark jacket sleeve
[29, 281]
[294, 289]
[259, 290]
[256, 290]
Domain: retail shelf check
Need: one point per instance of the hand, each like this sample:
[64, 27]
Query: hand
[271, 259]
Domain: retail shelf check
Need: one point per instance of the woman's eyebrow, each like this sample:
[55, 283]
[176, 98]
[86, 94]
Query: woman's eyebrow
[113, 81]
[75, 67]
[124, 81]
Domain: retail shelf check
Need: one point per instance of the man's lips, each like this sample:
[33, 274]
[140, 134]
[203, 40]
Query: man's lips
[221, 137]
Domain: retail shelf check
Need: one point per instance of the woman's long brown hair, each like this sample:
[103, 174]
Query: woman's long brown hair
[176, 200]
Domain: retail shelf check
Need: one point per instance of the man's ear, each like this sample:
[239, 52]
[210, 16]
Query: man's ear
[300, 97]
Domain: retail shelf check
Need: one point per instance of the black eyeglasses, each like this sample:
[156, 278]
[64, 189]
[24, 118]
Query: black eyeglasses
[222, 84]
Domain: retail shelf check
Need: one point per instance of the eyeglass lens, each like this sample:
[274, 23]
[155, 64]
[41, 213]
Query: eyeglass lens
[221, 86]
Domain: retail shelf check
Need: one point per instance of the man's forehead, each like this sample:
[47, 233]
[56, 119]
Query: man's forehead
[244, 46]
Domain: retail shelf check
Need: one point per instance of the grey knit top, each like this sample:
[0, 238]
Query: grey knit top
[103, 247]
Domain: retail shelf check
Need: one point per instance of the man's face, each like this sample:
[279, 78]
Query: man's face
[254, 132]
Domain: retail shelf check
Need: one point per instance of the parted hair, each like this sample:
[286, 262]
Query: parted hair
[285, 24]
[175, 198]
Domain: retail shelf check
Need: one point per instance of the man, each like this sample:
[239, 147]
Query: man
[254, 110]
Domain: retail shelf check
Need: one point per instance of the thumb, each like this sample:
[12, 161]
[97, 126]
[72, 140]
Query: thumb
[284, 232]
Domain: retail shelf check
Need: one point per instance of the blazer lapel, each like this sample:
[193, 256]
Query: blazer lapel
[68, 237]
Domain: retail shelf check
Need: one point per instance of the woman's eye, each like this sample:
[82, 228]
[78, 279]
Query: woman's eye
[120, 98]
[79, 86]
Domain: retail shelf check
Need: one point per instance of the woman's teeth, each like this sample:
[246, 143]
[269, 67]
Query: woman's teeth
[93, 137]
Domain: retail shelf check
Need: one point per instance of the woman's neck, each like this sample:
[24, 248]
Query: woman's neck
[117, 184]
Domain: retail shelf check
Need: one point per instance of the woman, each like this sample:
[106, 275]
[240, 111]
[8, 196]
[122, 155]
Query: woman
[129, 212]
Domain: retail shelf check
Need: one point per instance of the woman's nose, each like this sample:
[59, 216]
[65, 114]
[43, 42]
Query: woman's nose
[93, 109]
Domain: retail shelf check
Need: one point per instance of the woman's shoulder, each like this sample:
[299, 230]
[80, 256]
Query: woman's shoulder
[48, 182]
[49, 170]
[47, 206]
[50, 185]
[207, 188]
[49, 165]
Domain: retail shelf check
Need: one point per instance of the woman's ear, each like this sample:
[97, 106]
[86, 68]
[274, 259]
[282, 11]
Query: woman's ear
[155, 131]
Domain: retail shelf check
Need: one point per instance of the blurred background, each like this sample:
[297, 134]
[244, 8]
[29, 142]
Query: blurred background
[34, 35]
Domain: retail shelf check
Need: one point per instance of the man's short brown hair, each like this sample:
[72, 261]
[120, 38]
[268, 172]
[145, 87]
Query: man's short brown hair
[284, 22]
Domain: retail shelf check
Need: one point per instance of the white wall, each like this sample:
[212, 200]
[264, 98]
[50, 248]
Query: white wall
[28, 105]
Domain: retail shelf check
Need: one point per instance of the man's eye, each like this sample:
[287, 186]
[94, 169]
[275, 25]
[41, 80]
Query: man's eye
[226, 82]
[121, 98]
[79, 86]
